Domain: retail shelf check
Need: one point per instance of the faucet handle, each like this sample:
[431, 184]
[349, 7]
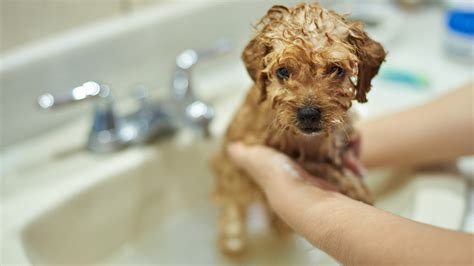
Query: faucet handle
[190, 57]
[220, 47]
[88, 90]
[106, 133]
[181, 87]
[200, 114]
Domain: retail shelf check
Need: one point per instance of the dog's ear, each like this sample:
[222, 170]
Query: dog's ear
[371, 55]
[253, 57]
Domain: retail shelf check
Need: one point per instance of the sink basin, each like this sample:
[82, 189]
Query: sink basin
[159, 212]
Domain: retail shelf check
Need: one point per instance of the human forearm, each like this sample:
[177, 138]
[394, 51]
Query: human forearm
[358, 234]
[350, 231]
[436, 131]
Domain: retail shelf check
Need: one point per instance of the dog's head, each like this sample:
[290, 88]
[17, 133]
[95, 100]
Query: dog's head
[311, 63]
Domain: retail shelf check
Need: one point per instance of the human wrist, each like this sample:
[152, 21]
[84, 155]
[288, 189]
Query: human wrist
[320, 222]
[334, 222]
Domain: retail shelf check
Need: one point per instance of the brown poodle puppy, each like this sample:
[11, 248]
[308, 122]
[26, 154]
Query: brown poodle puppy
[308, 65]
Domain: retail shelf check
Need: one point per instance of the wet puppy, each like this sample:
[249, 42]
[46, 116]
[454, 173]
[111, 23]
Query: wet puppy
[308, 64]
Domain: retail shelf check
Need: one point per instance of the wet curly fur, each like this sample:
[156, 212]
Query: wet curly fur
[329, 62]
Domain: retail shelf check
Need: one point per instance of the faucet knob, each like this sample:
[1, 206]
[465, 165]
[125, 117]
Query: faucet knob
[106, 133]
[200, 114]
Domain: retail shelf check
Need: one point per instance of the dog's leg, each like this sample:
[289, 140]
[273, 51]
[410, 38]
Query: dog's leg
[234, 191]
[232, 229]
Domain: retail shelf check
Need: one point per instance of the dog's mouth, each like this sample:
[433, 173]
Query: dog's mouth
[310, 130]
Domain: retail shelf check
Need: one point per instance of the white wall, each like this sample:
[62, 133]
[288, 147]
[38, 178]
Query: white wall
[26, 21]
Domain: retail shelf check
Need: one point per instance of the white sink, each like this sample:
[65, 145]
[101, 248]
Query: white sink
[157, 212]
[151, 204]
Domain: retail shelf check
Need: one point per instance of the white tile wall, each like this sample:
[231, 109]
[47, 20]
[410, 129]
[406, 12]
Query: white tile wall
[25, 21]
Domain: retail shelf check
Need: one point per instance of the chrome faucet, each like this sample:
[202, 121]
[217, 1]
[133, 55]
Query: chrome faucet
[105, 134]
[195, 112]
[110, 132]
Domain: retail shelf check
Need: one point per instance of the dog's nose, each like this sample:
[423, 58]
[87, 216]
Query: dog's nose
[308, 116]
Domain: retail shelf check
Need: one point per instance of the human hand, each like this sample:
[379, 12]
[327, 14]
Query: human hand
[352, 232]
[294, 194]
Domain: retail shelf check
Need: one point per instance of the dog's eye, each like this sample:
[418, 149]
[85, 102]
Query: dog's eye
[339, 71]
[283, 73]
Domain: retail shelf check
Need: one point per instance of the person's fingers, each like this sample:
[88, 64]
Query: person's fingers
[269, 167]
[263, 164]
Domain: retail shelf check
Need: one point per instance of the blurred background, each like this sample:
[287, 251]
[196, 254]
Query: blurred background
[105, 134]
[32, 29]
[26, 21]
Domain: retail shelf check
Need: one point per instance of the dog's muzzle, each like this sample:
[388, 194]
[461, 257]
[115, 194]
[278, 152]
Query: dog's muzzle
[309, 119]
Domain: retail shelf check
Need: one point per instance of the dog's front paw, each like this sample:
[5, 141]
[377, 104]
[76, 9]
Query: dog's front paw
[354, 187]
[232, 233]
[232, 245]
[232, 238]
